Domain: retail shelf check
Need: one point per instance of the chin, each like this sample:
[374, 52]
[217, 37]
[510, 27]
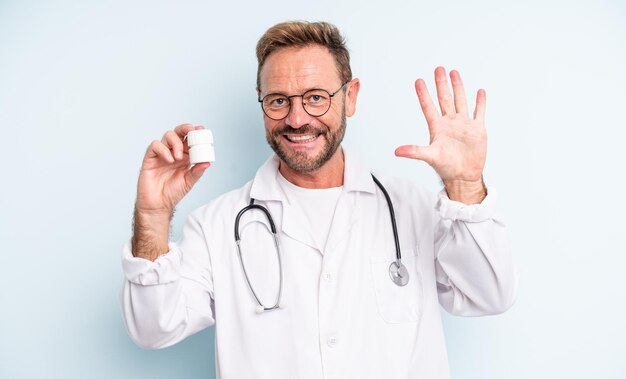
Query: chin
[304, 163]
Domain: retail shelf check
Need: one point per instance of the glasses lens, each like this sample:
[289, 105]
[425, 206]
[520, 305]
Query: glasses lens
[316, 102]
[276, 106]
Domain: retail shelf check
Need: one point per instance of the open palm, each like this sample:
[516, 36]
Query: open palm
[458, 143]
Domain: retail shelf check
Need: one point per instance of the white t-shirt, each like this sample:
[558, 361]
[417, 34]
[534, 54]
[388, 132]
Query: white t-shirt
[344, 317]
[317, 207]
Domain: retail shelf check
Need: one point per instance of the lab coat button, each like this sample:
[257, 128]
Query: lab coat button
[332, 341]
[327, 276]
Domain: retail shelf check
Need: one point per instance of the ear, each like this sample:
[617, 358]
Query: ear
[351, 93]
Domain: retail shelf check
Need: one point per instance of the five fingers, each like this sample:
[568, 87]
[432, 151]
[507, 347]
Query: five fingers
[449, 105]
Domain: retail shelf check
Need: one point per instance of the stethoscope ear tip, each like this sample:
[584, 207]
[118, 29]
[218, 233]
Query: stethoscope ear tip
[282, 305]
[259, 309]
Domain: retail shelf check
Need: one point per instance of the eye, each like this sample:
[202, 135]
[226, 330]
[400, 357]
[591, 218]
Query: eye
[316, 98]
[275, 101]
[279, 101]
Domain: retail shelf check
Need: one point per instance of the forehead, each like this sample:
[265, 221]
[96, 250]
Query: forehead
[296, 69]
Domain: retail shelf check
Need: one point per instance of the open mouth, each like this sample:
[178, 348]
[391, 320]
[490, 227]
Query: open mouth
[301, 138]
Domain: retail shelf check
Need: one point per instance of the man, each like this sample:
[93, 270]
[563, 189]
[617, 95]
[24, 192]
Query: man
[330, 299]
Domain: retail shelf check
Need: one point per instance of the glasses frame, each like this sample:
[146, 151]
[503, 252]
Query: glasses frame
[330, 95]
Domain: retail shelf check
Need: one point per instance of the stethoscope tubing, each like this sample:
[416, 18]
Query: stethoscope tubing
[397, 270]
[392, 214]
[278, 254]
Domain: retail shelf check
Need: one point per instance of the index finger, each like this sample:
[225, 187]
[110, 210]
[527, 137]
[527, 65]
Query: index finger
[182, 130]
[428, 107]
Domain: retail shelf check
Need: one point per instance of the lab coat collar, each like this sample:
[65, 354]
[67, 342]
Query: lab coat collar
[265, 187]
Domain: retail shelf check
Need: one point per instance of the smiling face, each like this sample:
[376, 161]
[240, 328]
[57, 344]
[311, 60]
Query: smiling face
[303, 142]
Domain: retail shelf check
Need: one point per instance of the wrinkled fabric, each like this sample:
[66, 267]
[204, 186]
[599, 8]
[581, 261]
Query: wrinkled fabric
[343, 316]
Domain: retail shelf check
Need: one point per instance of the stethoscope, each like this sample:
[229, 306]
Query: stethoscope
[397, 271]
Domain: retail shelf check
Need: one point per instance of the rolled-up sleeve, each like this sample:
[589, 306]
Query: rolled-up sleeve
[167, 300]
[474, 266]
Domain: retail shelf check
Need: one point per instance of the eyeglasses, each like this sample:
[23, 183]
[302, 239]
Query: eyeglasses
[316, 102]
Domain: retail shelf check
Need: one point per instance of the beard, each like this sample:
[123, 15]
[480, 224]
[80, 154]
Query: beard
[300, 161]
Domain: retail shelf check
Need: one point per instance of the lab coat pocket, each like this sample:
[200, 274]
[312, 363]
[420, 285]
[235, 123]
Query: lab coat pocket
[398, 304]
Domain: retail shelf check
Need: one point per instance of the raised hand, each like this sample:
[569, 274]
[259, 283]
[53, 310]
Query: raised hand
[458, 143]
[165, 178]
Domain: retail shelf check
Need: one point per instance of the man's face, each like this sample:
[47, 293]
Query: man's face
[305, 143]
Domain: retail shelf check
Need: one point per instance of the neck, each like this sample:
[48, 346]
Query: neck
[328, 176]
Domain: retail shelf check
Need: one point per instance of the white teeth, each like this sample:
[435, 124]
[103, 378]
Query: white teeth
[301, 137]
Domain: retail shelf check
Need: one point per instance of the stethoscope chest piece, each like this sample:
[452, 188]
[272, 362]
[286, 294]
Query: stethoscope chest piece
[399, 274]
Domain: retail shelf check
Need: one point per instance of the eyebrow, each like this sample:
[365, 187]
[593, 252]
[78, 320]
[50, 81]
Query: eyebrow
[286, 95]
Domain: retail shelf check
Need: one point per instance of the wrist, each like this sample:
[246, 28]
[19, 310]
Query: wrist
[465, 191]
[161, 216]
[150, 234]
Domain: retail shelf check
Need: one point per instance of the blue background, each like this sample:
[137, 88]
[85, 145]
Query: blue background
[86, 86]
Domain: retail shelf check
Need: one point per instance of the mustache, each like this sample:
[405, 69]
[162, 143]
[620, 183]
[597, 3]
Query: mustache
[304, 129]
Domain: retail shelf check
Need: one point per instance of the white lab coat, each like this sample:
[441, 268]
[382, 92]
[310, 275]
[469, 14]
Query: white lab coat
[344, 317]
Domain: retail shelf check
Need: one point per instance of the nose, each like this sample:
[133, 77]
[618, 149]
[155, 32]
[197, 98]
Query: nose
[297, 116]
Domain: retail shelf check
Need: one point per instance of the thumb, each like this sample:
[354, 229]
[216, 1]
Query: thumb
[194, 174]
[422, 153]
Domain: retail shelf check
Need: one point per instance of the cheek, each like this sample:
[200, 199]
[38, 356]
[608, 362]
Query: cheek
[332, 117]
[271, 125]
[335, 110]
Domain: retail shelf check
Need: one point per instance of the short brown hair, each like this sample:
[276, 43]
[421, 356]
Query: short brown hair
[301, 34]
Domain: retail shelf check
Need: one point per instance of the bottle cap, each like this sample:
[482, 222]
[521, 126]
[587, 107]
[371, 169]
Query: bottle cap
[196, 137]
[200, 144]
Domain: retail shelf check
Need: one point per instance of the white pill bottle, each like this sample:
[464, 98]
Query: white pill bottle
[200, 144]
